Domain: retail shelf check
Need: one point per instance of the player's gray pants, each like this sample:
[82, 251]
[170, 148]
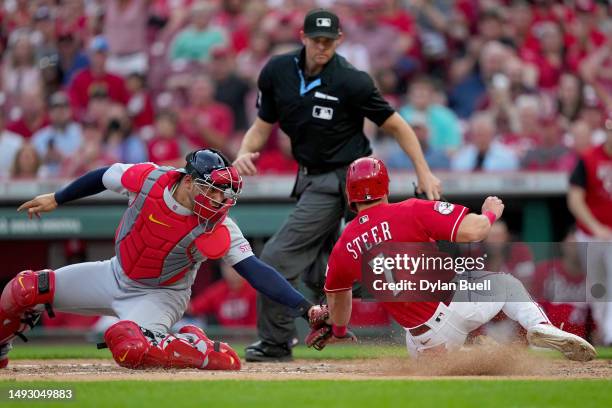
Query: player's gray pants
[302, 246]
[97, 288]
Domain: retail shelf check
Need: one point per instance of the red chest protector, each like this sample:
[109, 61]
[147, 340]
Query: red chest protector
[155, 245]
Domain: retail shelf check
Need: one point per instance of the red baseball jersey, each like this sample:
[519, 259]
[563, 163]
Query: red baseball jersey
[231, 307]
[554, 282]
[594, 174]
[412, 220]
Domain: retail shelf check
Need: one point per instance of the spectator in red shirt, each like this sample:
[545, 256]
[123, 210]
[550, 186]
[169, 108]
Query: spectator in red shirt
[569, 98]
[596, 70]
[251, 60]
[277, 159]
[205, 122]
[380, 40]
[33, 115]
[550, 153]
[164, 148]
[233, 19]
[584, 36]
[96, 77]
[526, 124]
[231, 301]
[559, 287]
[579, 137]
[550, 57]
[18, 16]
[71, 18]
[140, 105]
[90, 156]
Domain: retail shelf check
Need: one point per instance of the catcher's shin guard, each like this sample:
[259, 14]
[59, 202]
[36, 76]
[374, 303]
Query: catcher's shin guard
[135, 347]
[18, 311]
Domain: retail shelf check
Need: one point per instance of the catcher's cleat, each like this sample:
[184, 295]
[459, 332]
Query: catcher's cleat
[219, 356]
[261, 352]
[572, 346]
[135, 347]
[4, 350]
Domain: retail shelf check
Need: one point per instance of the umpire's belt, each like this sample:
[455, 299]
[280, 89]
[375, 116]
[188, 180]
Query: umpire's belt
[313, 171]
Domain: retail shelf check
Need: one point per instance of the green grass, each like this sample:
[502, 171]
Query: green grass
[336, 352]
[22, 351]
[295, 394]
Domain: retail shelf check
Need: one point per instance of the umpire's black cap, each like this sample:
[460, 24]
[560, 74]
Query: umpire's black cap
[321, 23]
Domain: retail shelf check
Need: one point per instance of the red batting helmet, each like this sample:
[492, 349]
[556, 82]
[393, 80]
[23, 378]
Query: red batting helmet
[366, 180]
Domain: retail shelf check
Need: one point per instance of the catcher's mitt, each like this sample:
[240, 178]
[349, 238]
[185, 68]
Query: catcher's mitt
[322, 336]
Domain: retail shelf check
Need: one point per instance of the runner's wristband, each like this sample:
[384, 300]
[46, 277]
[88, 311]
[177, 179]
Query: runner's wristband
[489, 214]
[338, 331]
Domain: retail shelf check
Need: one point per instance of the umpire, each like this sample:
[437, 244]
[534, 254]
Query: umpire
[320, 101]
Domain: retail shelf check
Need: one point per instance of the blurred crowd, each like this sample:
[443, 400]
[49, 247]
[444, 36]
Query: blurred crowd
[488, 85]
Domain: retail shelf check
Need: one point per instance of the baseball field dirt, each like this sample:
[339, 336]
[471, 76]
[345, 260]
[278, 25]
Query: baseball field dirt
[476, 362]
[343, 376]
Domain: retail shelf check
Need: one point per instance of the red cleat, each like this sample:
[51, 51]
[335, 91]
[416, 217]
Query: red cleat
[220, 356]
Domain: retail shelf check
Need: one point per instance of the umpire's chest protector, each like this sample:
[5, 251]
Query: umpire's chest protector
[155, 245]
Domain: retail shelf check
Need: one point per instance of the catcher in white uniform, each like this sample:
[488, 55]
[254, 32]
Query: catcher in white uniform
[176, 219]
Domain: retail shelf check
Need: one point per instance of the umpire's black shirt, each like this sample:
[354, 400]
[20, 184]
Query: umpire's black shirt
[322, 115]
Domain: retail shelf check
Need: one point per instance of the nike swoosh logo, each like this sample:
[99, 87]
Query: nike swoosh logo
[152, 219]
[422, 342]
[122, 358]
[20, 280]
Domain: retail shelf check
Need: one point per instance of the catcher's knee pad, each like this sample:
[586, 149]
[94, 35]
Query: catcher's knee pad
[18, 311]
[133, 346]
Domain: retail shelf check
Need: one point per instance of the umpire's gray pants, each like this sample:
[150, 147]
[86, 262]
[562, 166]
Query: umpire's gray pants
[302, 246]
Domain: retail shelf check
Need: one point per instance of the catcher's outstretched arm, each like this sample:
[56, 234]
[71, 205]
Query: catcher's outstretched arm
[86, 185]
[271, 283]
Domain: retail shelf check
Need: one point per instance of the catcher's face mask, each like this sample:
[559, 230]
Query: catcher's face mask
[215, 194]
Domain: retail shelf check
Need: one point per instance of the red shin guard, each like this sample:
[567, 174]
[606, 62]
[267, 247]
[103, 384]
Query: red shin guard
[18, 301]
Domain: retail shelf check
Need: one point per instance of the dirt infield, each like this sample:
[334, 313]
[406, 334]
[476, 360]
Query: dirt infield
[482, 365]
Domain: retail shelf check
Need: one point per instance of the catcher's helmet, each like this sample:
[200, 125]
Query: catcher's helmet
[211, 171]
[366, 180]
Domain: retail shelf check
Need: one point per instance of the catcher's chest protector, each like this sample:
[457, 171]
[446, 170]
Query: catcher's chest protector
[156, 246]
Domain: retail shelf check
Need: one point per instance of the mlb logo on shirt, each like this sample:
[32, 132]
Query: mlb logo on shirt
[322, 112]
[363, 219]
[324, 22]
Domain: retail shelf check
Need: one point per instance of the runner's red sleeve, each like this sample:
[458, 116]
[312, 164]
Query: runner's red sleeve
[342, 271]
[440, 219]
